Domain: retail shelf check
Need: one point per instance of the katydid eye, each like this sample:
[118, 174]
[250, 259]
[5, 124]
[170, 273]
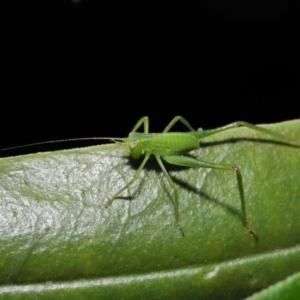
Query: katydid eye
[133, 144]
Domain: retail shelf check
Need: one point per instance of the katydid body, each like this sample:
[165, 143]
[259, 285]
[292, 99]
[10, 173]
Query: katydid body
[172, 147]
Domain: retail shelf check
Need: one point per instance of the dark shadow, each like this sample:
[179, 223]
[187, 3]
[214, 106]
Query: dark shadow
[207, 197]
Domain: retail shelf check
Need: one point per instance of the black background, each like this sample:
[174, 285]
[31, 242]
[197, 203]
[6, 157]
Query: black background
[80, 69]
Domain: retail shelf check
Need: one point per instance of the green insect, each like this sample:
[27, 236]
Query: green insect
[172, 147]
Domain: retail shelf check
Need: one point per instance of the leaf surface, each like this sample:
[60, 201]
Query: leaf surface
[58, 240]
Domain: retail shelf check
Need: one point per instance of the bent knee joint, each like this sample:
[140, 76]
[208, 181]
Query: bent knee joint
[235, 168]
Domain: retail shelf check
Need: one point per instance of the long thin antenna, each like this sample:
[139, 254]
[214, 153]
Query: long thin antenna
[62, 141]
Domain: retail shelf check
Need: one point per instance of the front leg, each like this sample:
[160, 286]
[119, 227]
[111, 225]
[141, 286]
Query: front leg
[143, 120]
[134, 178]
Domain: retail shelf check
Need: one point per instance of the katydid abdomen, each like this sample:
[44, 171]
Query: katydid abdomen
[170, 143]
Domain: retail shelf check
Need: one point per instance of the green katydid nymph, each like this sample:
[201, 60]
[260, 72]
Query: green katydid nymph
[172, 148]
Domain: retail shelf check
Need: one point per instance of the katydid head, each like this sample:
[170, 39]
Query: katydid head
[136, 149]
[135, 144]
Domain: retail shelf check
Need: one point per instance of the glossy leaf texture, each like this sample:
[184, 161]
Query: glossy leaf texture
[57, 239]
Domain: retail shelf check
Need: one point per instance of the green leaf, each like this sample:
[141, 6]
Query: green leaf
[57, 240]
[288, 289]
